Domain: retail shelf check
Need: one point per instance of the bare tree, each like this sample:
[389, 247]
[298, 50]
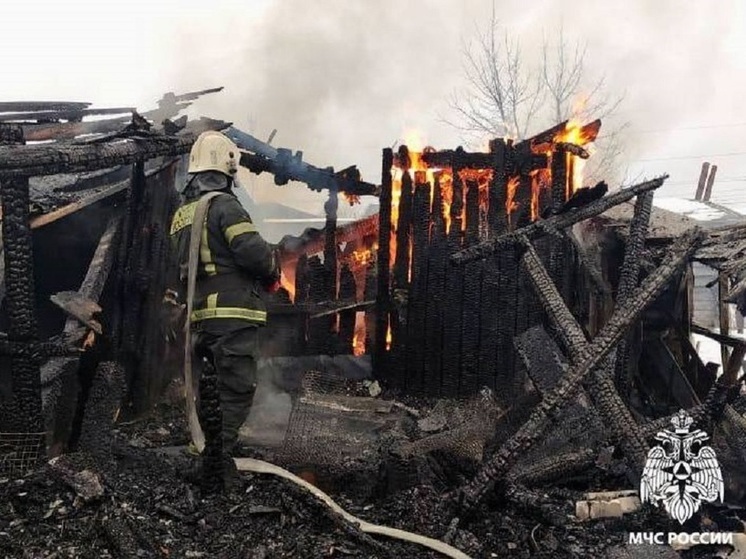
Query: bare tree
[509, 94]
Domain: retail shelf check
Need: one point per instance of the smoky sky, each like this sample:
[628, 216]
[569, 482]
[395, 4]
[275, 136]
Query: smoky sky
[340, 80]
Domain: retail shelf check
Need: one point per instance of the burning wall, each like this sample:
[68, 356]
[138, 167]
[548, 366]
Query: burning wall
[450, 331]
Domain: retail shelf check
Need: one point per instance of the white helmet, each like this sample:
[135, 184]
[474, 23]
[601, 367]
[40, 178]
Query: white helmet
[214, 151]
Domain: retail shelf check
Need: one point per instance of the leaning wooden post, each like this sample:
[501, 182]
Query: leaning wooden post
[702, 179]
[20, 294]
[710, 182]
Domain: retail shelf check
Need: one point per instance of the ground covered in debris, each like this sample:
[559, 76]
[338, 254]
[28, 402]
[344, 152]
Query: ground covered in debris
[148, 505]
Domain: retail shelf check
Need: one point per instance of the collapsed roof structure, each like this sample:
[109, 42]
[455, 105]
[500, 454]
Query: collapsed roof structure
[494, 270]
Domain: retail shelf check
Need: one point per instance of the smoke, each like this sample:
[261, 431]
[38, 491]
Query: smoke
[340, 80]
[270, 411]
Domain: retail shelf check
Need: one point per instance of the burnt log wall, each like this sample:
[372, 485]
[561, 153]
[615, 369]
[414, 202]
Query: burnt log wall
[452, 328]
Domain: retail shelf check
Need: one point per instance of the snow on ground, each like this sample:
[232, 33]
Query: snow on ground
[692, 209]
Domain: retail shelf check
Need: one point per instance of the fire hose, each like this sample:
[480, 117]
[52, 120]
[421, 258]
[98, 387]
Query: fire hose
[259, 466]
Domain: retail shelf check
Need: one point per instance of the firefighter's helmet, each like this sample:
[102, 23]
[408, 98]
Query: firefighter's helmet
[214, 151]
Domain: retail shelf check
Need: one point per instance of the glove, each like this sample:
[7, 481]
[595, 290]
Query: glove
[172, 315]
[273, 288]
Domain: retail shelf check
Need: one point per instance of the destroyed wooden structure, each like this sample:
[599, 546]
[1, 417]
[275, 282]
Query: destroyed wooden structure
[480, 270]
[85, 218]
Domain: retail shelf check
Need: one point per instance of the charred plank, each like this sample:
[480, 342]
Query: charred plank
[555, 223]
[541, 417]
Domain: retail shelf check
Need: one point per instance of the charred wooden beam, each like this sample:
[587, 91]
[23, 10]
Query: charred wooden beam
[64, 114]
[330, 259]
[630, 275]
[102, 406]
[496, 216]
[7, 106]
[545, 412]
[25, 161]
[610, 406]
[555, 223]
[169, 106]
[454, 287]
[343, 304]
[403, 226]
[470, 323]
[437, 269]
[532, 503]
[556, 467]
[347, 290]
[574, 149]
[20, 298]
[384, 266]
[564, 324]
[261, 157]
[418, 300]
[559, 178]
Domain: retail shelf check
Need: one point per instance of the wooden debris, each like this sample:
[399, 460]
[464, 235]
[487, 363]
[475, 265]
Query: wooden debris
[541, 417]
[556, 223]
[86, 483]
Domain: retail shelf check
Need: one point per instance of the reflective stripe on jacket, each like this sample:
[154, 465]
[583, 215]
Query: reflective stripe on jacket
[234, 263]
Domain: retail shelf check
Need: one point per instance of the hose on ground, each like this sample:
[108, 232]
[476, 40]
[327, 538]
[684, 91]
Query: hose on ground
[261, 467]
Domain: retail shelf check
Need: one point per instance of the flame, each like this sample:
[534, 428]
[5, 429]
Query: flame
[512, 187]
[288, 285]
[575, 133]
[363, 257]
[358, 340]
[541, 180]
[388, 337]
[446, 195]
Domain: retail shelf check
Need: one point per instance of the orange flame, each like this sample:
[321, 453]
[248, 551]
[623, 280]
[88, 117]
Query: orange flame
[363, 257]
[575, 133]
[287, 278]
[358, 340]
[512, 187]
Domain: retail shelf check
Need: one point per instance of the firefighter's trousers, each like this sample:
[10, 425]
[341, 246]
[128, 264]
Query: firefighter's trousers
[235, 357]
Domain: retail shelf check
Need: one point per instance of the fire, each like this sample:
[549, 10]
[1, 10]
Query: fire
[288, 285]
[541, 180]
[575, 133]
[358, 344]
[358, 340]
[388, 337]
[363, 257]
[510, 204]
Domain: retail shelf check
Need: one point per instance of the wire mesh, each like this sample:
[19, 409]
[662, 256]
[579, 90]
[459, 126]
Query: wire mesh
[20, 452]
[330, 427]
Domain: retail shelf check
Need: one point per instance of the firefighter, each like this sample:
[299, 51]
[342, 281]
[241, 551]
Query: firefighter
[235, 265]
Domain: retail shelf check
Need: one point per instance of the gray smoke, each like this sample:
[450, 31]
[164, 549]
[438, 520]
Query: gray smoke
[341, 80]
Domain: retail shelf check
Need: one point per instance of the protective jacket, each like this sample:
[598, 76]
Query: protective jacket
[234, 265]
